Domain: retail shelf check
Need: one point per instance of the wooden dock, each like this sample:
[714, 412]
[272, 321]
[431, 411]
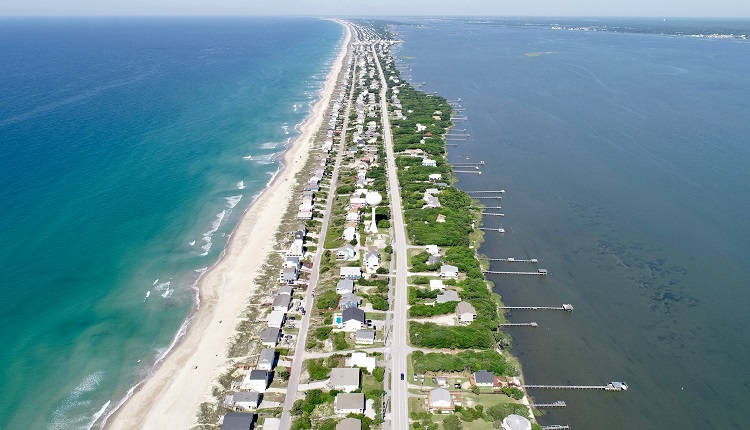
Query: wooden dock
[485, 198]
[557, 404]
[556, 427]
[493, 207]
[499, 230]
[486, 192]
[612, 386]
[514, 260]
[492, 214]
[565, 307]
[476, 172]
[530, 324]
[540, 272]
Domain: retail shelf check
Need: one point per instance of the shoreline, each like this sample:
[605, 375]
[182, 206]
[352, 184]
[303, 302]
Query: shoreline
[171, 396]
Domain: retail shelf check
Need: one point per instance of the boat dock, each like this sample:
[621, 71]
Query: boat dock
[493, 207]
[514, 260]
[485, 198]
[556, 427]
[565, 307]
[557, 404]
[540, 272]
[499, 230]
[530, 324]
[468, 171]
[486, 192]
[492, 214]
[612, 386]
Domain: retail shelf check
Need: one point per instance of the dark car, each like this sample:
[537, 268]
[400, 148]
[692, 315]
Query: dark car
[402, 376]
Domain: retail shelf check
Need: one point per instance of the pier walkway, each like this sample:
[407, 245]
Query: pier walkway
[514, 260]
[565, 307]
[540, 272]
[530, 324]
[557, 404]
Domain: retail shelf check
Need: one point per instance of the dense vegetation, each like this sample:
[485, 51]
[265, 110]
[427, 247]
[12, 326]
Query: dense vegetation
[464, 361]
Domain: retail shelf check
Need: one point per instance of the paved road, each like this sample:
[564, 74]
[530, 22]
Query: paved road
[399, 345]
[294, 376]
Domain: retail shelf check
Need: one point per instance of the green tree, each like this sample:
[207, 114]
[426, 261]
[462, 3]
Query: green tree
[452, 423]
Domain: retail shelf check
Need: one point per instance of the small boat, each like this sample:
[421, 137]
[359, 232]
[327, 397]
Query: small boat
[501, 229]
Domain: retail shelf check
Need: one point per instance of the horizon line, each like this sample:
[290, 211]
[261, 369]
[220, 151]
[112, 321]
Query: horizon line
[355, 16]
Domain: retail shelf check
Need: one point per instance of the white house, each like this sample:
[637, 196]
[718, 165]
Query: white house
[364, 337]
[360, 359]
[346, 252]
[350, 273]
[436, 284]
[428, 162]
[432, 249]
[432, 201]
[372, 261]
[465, 312]
[434, 177]
[256, 380]
[267, 359]
[345, 286]
[349, 233]
[448, 271]
[349, 403]
[440, 401]
[345, 379]
[276, 319]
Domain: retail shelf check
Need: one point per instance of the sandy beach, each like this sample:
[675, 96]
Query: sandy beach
[171, 397]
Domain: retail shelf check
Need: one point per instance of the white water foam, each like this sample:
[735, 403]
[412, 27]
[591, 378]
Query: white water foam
[233, 200]
[207, 236]
[263, 159]
[165, 289]
[269, 145]
[61, 417]
[241, 185]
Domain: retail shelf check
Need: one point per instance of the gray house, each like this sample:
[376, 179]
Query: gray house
[349, 403]
[484, 378]
[448, 296]
[270, 337]
[238, 421]
[282, 302]
[267, 359]
[349, 301]
[350, 273]
[352, 319]
[289, 274]
[246, 400]
[345, 286]
[364, 337]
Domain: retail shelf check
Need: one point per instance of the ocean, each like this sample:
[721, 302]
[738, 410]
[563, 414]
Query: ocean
[130, 149]
[622, 147]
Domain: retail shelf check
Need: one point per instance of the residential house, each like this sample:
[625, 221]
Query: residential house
[436, 284]
[364, 337]
[372, 261]
[238, 421]
[345, 379]
[276, 319]
[465, 312]
[350, 273]
[360, 359]
[442, 381]
[292, 261]
[349, 301]
[350, 232]
[345, 286]
[434, 259]
[349, 424]
[484, 379]
[434, 177]
[272, 424]
[448, 296]
[414, 152]
[440, 218]
[352, 319]
[282, 302]
[270, 337]
[448, 271]
[289, 275]
[432, 249]
[428, 162]
[346, 252]
[267, 359]
[256, 380]
[286, 289]
[432, 201]
[439, 400]
[352, 215]
[357, 202]
[245, 400]
[349, 403]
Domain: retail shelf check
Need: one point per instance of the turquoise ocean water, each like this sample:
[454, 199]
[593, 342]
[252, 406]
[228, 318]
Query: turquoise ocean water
[625, 158]
[130, 148]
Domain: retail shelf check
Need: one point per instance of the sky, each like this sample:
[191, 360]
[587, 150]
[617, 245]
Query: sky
[649, 8]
